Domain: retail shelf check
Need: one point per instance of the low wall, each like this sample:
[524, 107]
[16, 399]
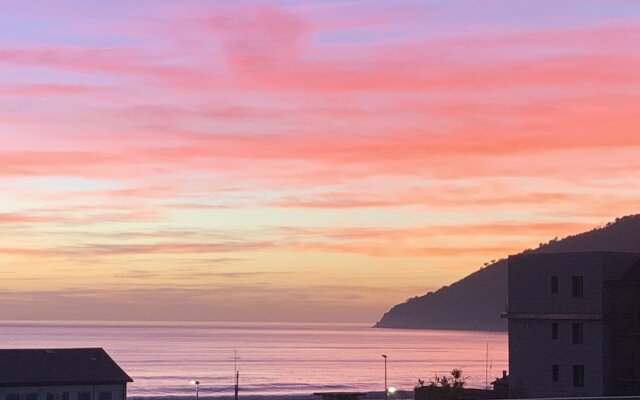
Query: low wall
[440, 393]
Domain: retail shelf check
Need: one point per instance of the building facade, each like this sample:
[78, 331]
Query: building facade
[61, 374]
[574, 324]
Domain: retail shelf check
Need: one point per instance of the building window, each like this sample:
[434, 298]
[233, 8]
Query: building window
[576, 333]
[13, 396]
[554, 330]
[31, 396]
[578, 375]
[555, 373]
[51, 396]
[64, 396]
[104, 396]
[84, 396]
[576, 286]
[554, 285]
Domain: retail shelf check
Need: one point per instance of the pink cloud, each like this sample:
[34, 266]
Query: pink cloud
[122, 63]
[76, 215]
[50, 89]
[318, 156]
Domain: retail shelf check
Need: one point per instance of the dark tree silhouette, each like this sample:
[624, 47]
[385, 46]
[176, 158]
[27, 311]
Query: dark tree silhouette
[454, 380]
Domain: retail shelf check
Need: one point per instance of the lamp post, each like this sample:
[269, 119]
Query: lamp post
[386, 390]
[197, 385]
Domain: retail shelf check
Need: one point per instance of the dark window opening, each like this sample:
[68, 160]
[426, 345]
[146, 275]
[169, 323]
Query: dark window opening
[554, 285]
[104, 396]
[636, 317]
[554, 330]
[31, 396]
[578, 375]
[577, 286]
[84, 396]
[13, 396]
[51, 396]
[64, 396]
[555, 373]
[576, 333]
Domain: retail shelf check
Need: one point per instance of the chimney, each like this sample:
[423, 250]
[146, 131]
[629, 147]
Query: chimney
[504, 374]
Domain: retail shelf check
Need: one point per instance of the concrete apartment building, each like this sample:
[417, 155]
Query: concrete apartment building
[574, 324]
[61, 374]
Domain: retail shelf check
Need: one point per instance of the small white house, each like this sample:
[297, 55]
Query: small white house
[61, 374]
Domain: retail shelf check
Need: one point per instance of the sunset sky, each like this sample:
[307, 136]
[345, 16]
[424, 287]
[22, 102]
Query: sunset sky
[299, 160]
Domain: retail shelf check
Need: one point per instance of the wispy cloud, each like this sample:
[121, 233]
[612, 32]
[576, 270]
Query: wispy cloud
[333, 138]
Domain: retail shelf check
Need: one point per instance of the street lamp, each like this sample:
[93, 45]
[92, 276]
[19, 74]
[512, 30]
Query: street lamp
[392, 390]
[386, 389]
[197, 385]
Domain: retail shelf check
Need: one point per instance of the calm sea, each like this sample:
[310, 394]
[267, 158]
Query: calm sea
[273, 359]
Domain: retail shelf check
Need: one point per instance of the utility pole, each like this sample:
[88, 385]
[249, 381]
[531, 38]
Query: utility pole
[237, 388]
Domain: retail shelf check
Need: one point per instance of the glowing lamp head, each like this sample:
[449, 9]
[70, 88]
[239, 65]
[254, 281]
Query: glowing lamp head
[194, 382]
[392, 390]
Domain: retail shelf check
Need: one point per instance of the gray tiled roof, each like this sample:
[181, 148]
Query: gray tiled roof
[31, 367]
